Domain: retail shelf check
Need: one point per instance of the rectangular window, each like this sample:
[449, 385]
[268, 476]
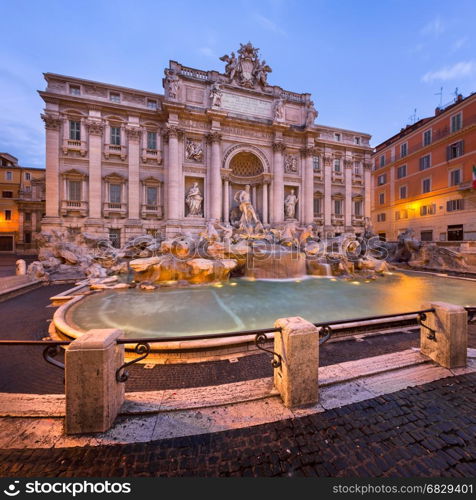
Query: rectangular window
[7, 194]
[75, 90]
[357, 140]
[316, 165]
[317, 206]
[116, 136]
[9, 176]
[381, 217]
[426, 235]
[455, 232]
[454, 205]
[114, 97]
[381, 198]
[426, 185]
[401, 171]
[337, 137]
[455, 177]
[115, 193]
[337, 165]
[27, 237]
[358, 208]
[151, 104]
[382, 161]
[425, 162]
[115, 237]
[397, 215]
[27, 217]
[456, 122]
[8, 215]
[403, 192]
[151, 140]
[357, 169]
[455, 150]
[428, 209]
[74, 130]
[27, 176]
[74, 190]
[427, 138]
[151, 195]
[403, 149]
[381, 179]
[338, 207]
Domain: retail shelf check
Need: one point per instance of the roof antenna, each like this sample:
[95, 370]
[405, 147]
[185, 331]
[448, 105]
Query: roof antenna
[440, 93]
[413, 118]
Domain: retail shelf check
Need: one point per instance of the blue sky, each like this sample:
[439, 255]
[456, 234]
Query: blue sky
[368, 64]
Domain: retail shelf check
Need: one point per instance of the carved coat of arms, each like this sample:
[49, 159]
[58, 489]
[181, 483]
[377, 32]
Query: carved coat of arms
[247, 70]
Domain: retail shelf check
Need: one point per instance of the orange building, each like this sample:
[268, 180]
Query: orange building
[22, 205]
[423, 178]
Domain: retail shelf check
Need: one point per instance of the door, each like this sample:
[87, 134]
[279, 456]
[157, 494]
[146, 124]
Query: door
[6, 243]
[455, 232]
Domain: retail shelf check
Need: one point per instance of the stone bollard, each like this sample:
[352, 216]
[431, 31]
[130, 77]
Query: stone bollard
[93, 396]
[297, 377]
[20, 267]
[450, 323]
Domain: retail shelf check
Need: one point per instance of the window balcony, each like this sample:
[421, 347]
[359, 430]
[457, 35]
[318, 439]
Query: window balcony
[152, 211]
[337, 219]
[357, 179]
[113, 150]
[115, 210]
[319, 219]
[358, 220]
[74, 208]
[338, 177]
[152, 155]
[75, 146]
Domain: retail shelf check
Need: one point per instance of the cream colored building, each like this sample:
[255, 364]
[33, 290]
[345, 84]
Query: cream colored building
[121, 162]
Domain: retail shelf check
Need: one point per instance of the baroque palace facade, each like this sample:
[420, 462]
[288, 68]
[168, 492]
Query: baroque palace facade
[122, 162]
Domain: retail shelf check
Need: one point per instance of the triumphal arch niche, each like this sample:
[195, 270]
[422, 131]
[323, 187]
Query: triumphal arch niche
[182, 156]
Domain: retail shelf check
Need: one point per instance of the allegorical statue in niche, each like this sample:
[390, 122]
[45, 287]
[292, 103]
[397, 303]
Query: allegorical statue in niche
[279, 110]
[193, 151]
[248, 214]
[290, 205]
[194, 200]
[172, 84]
[215, 95]
[311, 114]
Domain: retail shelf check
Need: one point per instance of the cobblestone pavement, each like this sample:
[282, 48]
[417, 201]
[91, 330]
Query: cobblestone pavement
[425, 431]
[23, 369]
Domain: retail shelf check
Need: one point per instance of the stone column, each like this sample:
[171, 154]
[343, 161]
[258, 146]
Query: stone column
[298, 345]
[368, 188]
[308, 191]
[450, 345]
[215, 177]
[348, 194]
[52, 125]
[265, 203]
[226, 200]
[328, 193]
[134, 134]
[95, 129]
[93, 396]
[174, 171]
[21, 228]
[253, 195]
[277, 214]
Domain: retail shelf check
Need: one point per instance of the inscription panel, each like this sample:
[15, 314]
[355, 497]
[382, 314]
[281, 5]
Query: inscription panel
[246, 105]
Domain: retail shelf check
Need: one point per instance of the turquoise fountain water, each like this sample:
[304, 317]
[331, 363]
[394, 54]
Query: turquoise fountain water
[245, 304]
